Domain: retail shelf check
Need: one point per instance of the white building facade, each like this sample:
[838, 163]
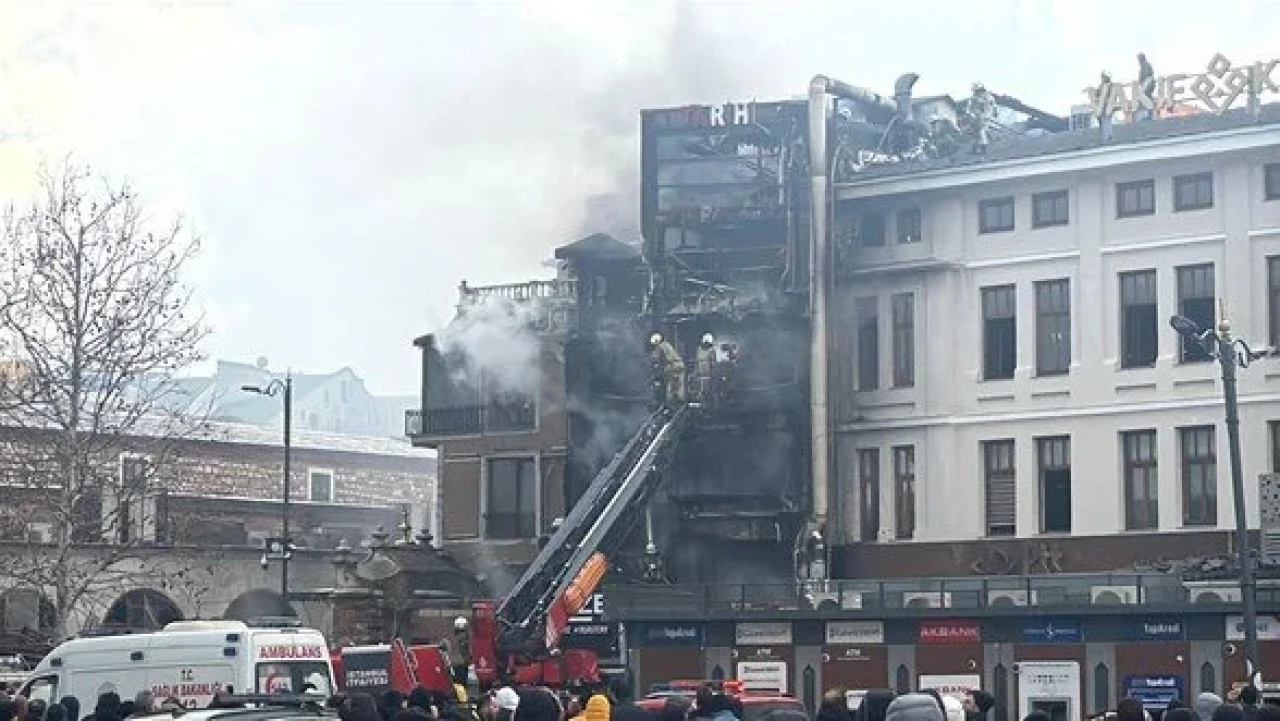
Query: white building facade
[1004, 364]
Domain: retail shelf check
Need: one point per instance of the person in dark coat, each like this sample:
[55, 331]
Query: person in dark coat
[875, 705]
[72, 705]
[538, 704]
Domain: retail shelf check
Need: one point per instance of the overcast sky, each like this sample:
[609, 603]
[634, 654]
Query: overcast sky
[349, 162]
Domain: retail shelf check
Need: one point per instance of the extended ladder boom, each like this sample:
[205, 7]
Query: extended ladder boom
[546, 593]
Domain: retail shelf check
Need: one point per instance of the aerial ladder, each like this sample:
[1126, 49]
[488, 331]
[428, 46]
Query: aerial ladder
[519, 640]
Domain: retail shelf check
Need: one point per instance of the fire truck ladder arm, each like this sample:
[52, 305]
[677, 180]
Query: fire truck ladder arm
[589, 528]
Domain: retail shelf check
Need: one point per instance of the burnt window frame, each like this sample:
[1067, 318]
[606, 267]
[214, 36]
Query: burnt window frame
[1138, 191]
[867, 315]
[902, 311]
[993, 369]
[1194, 187]
[869, 494]
[1000, 467]
[1139, 292]
[906, 220]
[1053, 455]
[997, 205]
[1053, 310]
[904, 492]
[1202, 513]
[1140, 463]
[525, 520]
[1189, 281]
[1050, 209]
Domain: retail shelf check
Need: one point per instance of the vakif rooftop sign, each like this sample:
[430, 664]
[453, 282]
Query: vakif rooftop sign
[1217, 88]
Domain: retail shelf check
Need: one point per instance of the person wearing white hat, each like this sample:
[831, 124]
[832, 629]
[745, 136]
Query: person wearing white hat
[672, 366]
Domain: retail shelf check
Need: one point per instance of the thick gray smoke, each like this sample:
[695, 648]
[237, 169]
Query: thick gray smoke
[496, 340]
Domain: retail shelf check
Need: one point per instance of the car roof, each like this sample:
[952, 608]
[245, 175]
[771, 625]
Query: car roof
[257, 713]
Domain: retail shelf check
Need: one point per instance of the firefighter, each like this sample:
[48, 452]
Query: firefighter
[704, 367]
[460, 651]
[671, 366]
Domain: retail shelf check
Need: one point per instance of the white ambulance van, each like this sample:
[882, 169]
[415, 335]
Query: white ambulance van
[188, 660]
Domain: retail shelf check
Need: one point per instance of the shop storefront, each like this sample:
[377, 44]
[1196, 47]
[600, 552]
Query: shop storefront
[666, 652]
[1233, 647]
[854, 656]
[1153, 665]
[1052, 646]
[763, 656]
[949, 655]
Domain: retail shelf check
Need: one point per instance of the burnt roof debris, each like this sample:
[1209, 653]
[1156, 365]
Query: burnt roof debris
[598, 246]
[1017, 147]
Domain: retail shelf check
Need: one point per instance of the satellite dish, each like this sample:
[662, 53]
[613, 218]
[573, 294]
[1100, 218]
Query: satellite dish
[262, 362]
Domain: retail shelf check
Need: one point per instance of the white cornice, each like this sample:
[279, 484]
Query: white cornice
[1251, 137]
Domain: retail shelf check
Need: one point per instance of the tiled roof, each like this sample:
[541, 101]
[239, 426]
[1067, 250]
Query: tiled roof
[1020, 147]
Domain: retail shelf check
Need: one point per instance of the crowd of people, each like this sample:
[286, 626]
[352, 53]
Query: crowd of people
[601, 704]
[109, 707]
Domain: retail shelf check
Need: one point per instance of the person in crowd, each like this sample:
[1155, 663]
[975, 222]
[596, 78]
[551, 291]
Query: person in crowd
[1130, 709]
[1205, 704]
[6, 708]
[721, 708]
[538, 704]
[597, 708]
[834, 706]
[420, 698]
[953, 708]
[702, 703]
[1249, 697]
[913, 707]
[675, 708]
[390, 703]
[359, 707]
[1228, 712]
[1179, 714]
[19, 708]
[72, 705]
[977, 703]
[507, 701]
[624, 707]
[127, 709]
[55, 712]
[1036, 716]
[874, 706]
[36, 709]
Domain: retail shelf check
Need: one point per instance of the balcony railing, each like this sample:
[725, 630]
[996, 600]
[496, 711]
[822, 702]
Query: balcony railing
[518, 292]
[1004, 594]
[472, 420]
[510, 526]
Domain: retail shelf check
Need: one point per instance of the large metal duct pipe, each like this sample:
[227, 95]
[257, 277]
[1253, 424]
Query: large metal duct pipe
[820, 279]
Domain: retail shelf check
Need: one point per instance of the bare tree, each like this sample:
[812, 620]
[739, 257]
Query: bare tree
[95, 320]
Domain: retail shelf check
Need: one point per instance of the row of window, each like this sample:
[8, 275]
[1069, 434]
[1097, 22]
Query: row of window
[1050, 209]
[1196, 470]
[1139, 324]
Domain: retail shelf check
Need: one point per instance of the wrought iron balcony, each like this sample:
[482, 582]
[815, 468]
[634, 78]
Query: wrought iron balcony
[472, 420]
[510, 526]
[518, 292]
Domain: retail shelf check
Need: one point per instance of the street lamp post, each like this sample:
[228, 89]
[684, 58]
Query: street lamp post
[285, 388]
[1230, 352]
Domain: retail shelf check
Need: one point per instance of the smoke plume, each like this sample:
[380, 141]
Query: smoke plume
[495, 340]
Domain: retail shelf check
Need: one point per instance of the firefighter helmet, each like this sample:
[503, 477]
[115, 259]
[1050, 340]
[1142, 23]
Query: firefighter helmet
[708, 340]
[655, 339]
[460, 623]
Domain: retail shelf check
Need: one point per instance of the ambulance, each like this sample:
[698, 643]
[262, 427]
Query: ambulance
[189, 661]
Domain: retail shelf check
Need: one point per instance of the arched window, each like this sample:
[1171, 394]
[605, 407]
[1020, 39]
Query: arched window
[1101, 688]
[1208, 678]
[142, 608]
[258, 603]
[902, 679]
[1000, 689]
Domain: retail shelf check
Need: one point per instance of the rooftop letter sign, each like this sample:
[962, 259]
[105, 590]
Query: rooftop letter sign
[1217, 88]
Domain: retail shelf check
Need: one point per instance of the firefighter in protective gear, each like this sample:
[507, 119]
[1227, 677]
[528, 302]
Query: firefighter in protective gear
[460, 651]
[704, 367]
[671, 365]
